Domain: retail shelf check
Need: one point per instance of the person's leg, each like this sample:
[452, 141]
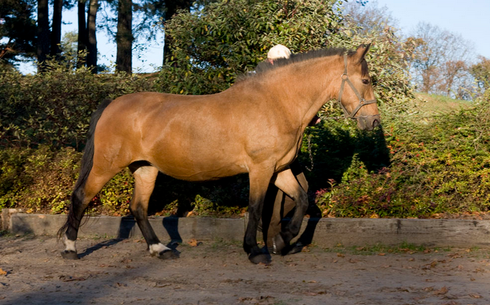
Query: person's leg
[271, 220]
[283, 205]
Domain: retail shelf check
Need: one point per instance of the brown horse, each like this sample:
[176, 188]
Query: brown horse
[254, 127]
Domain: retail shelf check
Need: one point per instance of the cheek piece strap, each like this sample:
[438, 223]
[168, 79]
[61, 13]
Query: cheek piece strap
[362, 101]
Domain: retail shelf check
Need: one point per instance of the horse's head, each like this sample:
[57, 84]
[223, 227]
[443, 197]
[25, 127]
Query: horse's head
[356, 95]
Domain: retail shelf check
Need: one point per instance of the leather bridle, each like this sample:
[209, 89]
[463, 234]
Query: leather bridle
[362, 101]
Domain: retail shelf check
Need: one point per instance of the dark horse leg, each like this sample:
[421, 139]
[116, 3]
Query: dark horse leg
[259, 181]
[287, 182]
[85, 190]
[145, 176]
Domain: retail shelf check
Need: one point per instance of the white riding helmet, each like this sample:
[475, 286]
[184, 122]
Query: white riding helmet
[278, 51]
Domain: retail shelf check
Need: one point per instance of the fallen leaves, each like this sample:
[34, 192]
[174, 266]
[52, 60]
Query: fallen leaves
[430, 266]
[194, 243]
[441, 291]
[3, 272]
[454, 255]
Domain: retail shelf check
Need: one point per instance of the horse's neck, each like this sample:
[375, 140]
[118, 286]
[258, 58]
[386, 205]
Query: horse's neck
[305, 89]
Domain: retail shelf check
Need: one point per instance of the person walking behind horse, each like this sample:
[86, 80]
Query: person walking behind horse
[277, 204]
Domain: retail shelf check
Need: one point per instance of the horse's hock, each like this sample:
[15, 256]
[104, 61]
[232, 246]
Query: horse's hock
[329, 232]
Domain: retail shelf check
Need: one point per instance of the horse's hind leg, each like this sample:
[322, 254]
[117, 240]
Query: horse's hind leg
[286, 181]
[145, 176]
[83, 193]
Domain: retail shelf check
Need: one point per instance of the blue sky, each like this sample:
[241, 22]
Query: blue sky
[469, 18]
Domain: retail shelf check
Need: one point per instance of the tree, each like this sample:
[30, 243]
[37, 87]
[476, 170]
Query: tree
[481, 73]
[82, 31]
[17, 31]
[43, 33]
[69, 43]
[210, 47]
[172, 7]
[91, 35]
[439, 62]
[56, 28]
[156, 12]
[87, 39]
[389, 54]
[367, 17]
[143, 20]
[124, 36]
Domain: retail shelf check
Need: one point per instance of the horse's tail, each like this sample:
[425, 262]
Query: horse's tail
[86, 165]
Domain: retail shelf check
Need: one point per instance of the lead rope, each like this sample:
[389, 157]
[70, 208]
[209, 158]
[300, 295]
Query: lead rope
[347, 115]
[310, 154]
[330, 118]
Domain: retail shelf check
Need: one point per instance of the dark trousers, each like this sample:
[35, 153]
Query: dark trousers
[278, 207]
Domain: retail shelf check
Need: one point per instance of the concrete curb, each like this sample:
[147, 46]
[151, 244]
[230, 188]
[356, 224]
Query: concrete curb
[328, 233]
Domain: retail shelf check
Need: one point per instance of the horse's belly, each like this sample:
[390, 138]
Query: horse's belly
[199, 173]
[197, 165]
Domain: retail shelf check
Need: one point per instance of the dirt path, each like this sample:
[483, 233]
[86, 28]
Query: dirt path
[122, 272]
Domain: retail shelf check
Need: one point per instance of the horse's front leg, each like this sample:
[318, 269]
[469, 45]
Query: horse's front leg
[259, 181]
[287, 182]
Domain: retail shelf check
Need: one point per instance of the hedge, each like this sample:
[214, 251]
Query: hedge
[418, 165]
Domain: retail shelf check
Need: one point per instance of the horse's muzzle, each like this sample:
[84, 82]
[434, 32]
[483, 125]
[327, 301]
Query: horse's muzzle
[368, 122]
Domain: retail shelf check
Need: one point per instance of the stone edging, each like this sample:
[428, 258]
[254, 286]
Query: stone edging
[328, 233]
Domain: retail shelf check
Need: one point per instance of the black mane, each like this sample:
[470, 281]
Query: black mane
[295, 58]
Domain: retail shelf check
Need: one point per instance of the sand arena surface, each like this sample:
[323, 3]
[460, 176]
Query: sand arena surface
[122, 272]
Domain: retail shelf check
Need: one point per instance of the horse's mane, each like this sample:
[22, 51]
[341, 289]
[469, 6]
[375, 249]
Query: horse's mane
[295, 58]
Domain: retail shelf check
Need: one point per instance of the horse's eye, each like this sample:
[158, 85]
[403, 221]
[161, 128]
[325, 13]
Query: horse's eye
[365, 81]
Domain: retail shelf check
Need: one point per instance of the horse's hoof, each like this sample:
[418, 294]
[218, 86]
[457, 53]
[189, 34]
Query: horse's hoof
[296, 248]
[169, 254]
[68, 254]
[278, 244]
[261, 258]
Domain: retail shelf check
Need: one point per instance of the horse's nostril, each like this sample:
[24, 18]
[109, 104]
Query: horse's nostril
[376, 123]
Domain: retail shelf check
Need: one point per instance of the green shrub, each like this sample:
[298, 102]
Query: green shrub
[437, 166]
[37, 180]
[211, 47]
[40, 180]
[54, 107]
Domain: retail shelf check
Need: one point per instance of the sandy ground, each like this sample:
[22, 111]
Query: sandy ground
[122, 272]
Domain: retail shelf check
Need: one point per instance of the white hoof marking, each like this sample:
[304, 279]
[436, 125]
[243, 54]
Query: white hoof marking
[69, 244]
[156, 249]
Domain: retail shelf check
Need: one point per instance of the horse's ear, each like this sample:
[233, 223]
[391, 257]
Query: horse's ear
[361, 52]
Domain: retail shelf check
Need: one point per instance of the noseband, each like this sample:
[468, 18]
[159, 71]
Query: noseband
[362, 101]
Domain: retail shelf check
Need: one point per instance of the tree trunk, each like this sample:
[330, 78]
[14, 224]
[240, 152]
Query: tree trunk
[56, 28]
[124, 36]
[172, 8]
[42, 33]
[82, 32]
[91, 36]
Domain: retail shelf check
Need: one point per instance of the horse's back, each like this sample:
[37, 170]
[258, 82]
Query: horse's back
[187, 137]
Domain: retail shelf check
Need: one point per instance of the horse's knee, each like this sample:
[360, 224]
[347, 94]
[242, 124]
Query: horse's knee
[137, 211]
